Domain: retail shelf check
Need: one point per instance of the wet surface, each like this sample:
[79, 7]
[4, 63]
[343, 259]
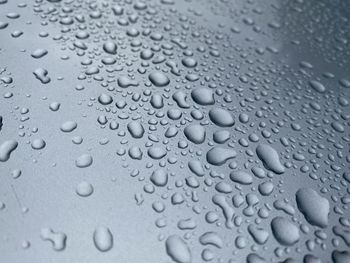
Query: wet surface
[174, 131]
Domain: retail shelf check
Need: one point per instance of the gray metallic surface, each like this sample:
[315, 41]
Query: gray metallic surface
[174, 131]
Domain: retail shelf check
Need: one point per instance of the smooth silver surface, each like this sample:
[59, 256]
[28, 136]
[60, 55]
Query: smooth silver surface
[174, 131]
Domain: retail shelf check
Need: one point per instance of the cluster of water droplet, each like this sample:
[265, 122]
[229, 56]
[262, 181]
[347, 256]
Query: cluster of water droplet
[241, 156]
